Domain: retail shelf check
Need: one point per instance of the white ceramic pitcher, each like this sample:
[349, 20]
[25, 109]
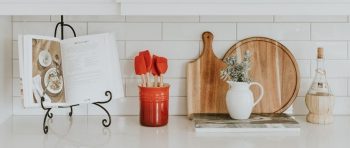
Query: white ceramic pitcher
[240, 99]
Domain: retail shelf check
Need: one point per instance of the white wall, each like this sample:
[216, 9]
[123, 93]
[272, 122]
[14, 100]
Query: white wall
[178, 38]
[5, 68]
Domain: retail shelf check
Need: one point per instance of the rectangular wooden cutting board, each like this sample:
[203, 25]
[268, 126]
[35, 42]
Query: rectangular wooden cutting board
[205, 90]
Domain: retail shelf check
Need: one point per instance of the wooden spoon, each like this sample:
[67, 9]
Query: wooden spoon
[162, 66]
[140, 68]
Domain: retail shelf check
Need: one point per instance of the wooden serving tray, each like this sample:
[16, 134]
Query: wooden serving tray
[275, 68]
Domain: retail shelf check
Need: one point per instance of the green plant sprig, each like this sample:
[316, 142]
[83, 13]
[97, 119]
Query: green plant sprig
[237, 71]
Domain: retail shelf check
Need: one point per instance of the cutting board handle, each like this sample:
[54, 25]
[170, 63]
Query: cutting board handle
[207, 38]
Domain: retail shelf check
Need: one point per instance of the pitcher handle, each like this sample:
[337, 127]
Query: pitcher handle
[261, 89]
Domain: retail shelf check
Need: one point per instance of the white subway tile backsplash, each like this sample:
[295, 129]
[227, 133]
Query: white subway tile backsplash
[177, 87]
[341, 106]
[304, 68]
[121, 49]
[193, 31]
[310, 18]
[15, 50]
[178, 106]
[348, 50]
[348, 87]
[308, 49]
[84, 18]
[334, 68]
[339, 86]
[250, 18]
[177, 69]
[305, 84]
[277, 31]
[179, 39]
[128, 68]
[131, 88]
[46, 28]
[128, 31]
[181, 19]
[19, 109]
[15, 69]
[31, 18]
[38, 28]
[169, 49]
[330, 31]
[122, 106]
[16, 87]
[80, 29]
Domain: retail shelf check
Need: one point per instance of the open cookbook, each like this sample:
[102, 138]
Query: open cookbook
[71, 71]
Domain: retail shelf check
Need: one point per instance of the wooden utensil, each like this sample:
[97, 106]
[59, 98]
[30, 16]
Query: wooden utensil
[140, 68]
[162, 67]
[155, 71]
[275, 68]
[148, 61]
[205, 90]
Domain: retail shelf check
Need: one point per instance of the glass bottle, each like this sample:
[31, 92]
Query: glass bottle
[319, 98]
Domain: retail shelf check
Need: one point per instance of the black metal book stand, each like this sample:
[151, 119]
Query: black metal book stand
[105, 122]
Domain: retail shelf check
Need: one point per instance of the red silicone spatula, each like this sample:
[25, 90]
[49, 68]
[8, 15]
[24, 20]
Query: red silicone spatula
[162, 66]
[140, 68]
[155, 71]
[148, 60]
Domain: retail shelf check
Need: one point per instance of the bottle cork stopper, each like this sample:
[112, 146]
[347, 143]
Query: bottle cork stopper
[320, 53]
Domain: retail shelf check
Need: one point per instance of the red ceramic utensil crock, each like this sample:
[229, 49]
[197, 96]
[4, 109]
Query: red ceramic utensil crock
[154, 104]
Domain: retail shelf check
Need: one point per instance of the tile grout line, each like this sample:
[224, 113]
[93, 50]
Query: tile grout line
[87, 28]
[347, 87]
[347, 51]
[310, 69]
[162, 31]
[12, 92]
[87, 33]
[236, 31]
[124, 79]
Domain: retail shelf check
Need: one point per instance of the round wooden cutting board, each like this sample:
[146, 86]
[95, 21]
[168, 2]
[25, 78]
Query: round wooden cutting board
[275, 68]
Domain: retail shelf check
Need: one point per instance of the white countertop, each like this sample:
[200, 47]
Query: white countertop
[126, 132]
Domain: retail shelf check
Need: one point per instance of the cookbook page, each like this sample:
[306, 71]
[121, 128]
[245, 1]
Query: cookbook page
[41, 71]
[91, 67]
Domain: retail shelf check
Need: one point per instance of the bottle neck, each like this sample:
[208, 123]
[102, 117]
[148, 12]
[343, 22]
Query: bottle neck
[320, 64]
